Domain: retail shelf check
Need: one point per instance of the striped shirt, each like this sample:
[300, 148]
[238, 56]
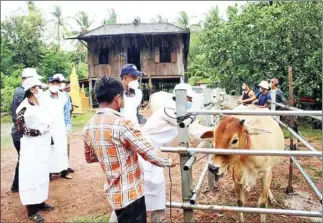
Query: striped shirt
[115, 143]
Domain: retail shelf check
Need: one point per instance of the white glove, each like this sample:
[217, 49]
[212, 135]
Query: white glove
[46, 130]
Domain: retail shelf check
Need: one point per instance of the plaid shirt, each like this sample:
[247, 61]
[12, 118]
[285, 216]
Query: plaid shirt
[113, 141]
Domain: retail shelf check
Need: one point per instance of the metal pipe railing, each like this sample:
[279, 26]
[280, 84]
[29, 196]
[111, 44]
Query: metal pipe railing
[293, 109]
[256, 112]
[245, 209]
[241, 152]
[199, 183]
[189, 163]
[308, 179]
[301, 139]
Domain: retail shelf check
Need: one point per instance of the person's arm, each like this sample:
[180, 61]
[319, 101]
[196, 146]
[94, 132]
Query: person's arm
[251, 99]
[18, 97]
[89, 154]
[23, 129]
[133, 139]
[282, 97]
[67, 116]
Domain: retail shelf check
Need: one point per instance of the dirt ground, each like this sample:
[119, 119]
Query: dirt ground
[84, 195]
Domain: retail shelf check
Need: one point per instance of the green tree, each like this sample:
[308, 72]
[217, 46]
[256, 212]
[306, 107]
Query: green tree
[112, 17]
[260, 41]
[23, 35]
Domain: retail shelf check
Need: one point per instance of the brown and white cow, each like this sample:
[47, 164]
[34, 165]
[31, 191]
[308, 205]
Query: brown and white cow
[253, 133]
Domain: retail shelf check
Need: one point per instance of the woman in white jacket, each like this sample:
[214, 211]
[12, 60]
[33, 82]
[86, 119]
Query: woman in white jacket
[33, 121]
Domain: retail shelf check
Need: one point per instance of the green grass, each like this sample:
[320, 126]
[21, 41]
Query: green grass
[6, 142]
[6, 119]
[91, 218]
[80, 120]
[310, 132]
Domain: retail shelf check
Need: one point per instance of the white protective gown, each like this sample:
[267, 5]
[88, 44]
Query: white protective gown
[59, 157]
[154, 184]
[35, 155]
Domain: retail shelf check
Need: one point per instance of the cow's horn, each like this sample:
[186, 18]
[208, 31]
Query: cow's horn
[242, 121]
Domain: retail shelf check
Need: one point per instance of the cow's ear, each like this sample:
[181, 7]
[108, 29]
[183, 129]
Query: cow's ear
[207, 135]
[257, 131]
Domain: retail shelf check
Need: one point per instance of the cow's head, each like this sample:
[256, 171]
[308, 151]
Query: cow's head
[231, 133]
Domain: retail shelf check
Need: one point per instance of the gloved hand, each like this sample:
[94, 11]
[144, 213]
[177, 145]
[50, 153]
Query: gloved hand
[46, 130]
[69, 129]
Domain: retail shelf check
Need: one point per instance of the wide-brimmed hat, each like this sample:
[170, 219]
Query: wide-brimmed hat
[264, 84]
[32, 82]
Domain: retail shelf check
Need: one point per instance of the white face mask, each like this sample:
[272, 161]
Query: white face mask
[133, 84]
[53, 88]
[39, 94]
[63, 85]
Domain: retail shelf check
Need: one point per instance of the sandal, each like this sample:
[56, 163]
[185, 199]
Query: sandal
[46, 207]
[36, 218]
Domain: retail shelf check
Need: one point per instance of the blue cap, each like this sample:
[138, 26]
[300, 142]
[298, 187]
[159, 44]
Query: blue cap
[130, 69]
[52, 79]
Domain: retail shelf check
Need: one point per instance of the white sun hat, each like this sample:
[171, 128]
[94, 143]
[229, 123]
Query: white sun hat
[187, 87]
[30, 72]
[264, 84]
[32, 82]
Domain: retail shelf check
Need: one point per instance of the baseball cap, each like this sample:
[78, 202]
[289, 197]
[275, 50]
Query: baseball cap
[52, 79]
[275, 81]
[130, 69]
[32, 82]
[30, 72]
[60, 77]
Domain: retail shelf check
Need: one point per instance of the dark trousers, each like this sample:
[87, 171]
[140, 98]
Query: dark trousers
[133, 213]
[15, 184]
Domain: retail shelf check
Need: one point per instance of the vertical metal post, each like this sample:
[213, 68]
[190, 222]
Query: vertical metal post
[208, 122]
[186, 176]
[290, 188]
[273, 105]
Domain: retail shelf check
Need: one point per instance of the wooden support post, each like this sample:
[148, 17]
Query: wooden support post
[290, 188]
[150, 85]
[90, 93]
[186, 176]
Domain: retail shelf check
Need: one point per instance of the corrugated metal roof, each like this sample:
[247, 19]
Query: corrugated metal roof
[132, 29]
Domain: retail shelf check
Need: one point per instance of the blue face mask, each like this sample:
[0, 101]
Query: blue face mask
[188, 105]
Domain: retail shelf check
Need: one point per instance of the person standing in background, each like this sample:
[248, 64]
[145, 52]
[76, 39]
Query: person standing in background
[18, 97]
[280, 98]
[57, 101]
[67, 114]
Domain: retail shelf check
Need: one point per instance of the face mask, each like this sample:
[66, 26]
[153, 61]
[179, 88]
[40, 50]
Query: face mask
[133, 84]
[63, 85]
[53, 88]
[188, 105]
[243, 87]
[261, 90]
[39, 94]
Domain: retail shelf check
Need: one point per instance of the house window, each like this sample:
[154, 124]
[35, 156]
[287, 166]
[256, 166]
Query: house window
[165, 54]
[104, 56]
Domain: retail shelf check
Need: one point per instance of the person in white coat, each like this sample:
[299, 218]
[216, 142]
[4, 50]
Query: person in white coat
[56, 101]
[33, 122]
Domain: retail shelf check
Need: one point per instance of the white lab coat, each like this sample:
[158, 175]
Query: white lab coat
[34, 156]
[59, 157]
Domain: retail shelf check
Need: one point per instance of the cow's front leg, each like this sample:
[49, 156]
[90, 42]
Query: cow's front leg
[240, 199]
[263, 199]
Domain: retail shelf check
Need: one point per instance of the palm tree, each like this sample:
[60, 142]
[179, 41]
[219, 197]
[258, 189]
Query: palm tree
[57, 14]
[183, 19]
[112, 18]
[84, 22]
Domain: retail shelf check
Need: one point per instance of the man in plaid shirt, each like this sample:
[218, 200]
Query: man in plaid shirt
[114, 142]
